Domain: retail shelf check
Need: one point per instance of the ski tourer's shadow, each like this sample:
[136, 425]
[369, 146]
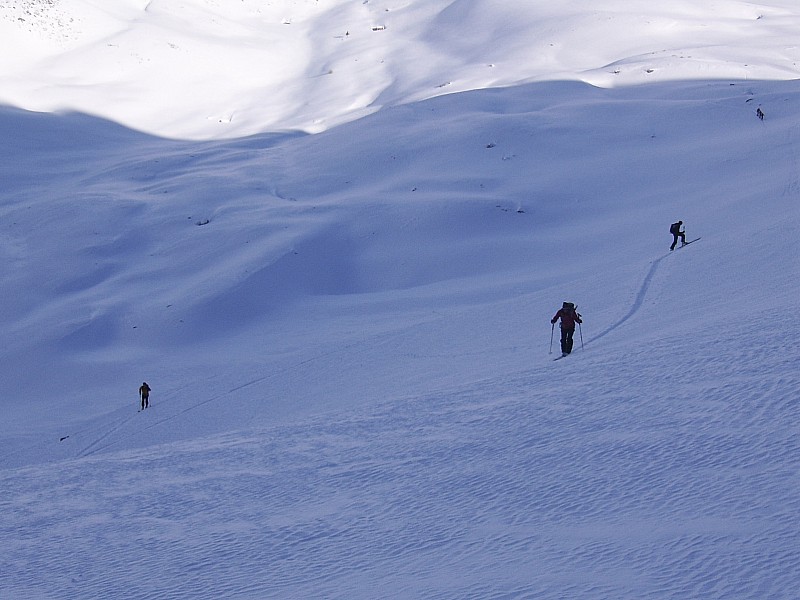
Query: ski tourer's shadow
[637, 303]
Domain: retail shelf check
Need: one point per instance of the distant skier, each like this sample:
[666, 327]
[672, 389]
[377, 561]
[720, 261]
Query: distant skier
[675, 230]
[144, 392]
[760, 113]
[569, 316]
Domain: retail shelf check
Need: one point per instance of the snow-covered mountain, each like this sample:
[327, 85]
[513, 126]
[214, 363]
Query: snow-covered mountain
[205, 69]
[331, 236]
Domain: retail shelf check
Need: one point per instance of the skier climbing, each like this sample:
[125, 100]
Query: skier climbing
[144, 392]
[569, 316]
[675, 230]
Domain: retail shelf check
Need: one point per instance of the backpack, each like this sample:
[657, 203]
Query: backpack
[568, 310]
[675, 228]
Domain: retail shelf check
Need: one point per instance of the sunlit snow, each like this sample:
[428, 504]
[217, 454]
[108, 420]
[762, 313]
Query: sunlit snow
[331, 235]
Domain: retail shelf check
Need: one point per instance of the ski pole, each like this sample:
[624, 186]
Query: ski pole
[552, 329]
[580, 330]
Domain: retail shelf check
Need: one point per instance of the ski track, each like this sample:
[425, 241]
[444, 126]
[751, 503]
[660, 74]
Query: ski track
[558, 488]
[637, 303]
[97, 446]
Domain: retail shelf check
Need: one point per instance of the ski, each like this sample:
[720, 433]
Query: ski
[687, 243]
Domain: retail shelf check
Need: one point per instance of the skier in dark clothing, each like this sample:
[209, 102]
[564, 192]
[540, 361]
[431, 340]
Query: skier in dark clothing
[675, 230]
[569, 316]
[144, 392]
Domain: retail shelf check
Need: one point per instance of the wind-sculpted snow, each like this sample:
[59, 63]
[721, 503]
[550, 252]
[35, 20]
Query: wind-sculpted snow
[347, 334]
[651, 479]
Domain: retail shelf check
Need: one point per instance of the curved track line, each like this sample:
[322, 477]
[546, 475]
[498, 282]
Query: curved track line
[637, 303]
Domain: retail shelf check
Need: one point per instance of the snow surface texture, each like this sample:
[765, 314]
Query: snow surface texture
[337, 276]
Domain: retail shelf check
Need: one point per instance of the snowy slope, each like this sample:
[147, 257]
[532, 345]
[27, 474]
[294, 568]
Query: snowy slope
[347, 333]
[209, 69]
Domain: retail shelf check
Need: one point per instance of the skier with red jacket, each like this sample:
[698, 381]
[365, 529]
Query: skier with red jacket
[569, 316]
